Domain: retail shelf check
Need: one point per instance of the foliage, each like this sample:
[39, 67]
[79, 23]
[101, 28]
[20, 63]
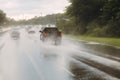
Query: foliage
[43, 20]
[94, 17]
[2, 17]
[84, 11]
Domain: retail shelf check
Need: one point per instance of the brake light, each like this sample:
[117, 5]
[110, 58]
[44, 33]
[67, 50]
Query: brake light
[60, 34]
[44, 34]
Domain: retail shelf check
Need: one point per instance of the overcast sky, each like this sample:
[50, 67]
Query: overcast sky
[28, 8]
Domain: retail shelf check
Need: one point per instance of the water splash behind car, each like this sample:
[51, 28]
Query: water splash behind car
[51, 34]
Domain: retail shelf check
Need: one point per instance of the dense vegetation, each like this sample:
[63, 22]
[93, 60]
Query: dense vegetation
[41, 20]
[2, 18]
[83, 17]
[92, 17]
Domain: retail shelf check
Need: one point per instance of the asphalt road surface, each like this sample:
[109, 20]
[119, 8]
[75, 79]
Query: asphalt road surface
[27, 58]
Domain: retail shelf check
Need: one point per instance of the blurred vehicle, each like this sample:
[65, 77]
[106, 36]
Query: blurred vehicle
[15, 34]
[28, 27]
[51, 34]
[1, 30]
[31, 31]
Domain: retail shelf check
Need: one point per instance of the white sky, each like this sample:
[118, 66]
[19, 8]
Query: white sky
[24, 9]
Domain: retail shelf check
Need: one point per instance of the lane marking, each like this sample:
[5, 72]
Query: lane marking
[94, 70]
[68, 72]
[36, 67]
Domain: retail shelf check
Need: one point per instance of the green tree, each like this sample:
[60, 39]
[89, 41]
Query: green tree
[111, 17]
[2, 17]
[111, 11]
[85, 11]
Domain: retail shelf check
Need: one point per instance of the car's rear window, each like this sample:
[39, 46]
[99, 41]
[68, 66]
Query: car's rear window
[51, 30]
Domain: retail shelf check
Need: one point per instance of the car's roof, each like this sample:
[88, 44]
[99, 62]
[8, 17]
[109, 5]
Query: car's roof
[48, 28]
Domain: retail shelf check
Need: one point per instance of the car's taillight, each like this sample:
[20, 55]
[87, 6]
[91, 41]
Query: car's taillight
[44, 34]
[60, 34]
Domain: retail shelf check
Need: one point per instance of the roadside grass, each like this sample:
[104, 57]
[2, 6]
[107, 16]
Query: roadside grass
[108, 41]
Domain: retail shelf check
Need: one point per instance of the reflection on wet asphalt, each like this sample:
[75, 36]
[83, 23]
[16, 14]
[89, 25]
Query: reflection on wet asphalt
[84, 74]
[27, 58]
[99, 49]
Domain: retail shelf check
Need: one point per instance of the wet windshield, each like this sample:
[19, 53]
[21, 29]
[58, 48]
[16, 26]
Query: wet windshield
[59, 39]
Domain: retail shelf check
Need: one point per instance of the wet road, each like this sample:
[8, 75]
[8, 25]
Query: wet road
[27, 58]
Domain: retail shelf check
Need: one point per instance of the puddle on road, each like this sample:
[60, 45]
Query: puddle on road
[83, 71]
[103, 50]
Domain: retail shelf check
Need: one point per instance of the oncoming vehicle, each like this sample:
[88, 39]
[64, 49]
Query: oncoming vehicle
[51, 34]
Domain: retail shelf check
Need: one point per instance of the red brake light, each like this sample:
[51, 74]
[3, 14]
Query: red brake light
[60, 34]
[44, 34]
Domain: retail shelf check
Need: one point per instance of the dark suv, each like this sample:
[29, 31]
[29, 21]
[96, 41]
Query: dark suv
[51, 34]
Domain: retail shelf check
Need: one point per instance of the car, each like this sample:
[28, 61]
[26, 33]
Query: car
[15, 34]
[51, 34]
[1, 30]
[28, 27]
[31, 31]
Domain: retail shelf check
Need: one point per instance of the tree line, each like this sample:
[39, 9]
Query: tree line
[40, 20]
[92, 17]
[82, 17]
[3, 18]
